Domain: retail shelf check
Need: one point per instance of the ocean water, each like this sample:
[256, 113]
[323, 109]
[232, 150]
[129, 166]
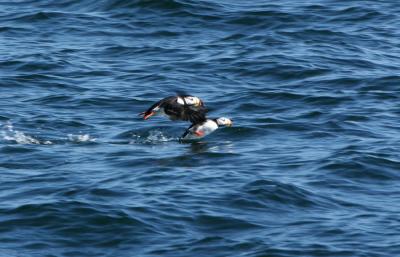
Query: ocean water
[311, 166]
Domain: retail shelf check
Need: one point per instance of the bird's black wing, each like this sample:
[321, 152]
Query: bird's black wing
[185, 112]
[148, 111]
[158, 104]
[174, 110]
[196, 114]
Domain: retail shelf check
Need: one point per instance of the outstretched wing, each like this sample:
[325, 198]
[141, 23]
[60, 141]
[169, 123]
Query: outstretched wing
[145, 113]
[154, 106]
[185, 112]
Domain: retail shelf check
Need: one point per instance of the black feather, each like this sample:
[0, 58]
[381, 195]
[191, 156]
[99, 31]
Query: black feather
[176, 111]
[187, 131]
[196, 116]
[151, 108]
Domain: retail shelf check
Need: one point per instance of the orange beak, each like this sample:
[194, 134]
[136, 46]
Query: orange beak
[148, 115]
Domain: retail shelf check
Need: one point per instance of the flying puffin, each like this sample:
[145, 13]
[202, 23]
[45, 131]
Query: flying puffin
[184, 107]
[202, 129]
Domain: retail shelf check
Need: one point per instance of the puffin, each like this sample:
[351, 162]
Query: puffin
[202, 129]
[181, 107]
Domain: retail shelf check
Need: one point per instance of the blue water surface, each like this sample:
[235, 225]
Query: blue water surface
[311, 166]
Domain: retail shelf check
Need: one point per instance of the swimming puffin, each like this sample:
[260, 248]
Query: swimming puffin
[185, 107]
[202, 129]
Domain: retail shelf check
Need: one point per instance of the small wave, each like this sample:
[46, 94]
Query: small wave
[286, 194]
[8, 133]
[223, 223]
[321, 100]
[51, 99]
[165, 5]
[360, 166]
[37, 16]
[357, 14]
[82, 216]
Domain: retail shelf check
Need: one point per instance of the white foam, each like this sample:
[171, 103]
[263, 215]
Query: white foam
[81, 138]
[8, 133]
[155, 136]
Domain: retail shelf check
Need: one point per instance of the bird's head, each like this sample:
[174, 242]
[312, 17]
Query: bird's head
[193, 100]
[224, 122]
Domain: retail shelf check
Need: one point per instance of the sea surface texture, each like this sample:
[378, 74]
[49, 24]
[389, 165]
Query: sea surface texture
[311, 166]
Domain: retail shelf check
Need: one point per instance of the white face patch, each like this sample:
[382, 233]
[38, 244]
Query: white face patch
[180, 101]
[192, 100]
[189, 100]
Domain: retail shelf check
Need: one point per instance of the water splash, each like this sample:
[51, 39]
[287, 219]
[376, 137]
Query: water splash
[8, 133]
[81, 138]
[153, 137]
